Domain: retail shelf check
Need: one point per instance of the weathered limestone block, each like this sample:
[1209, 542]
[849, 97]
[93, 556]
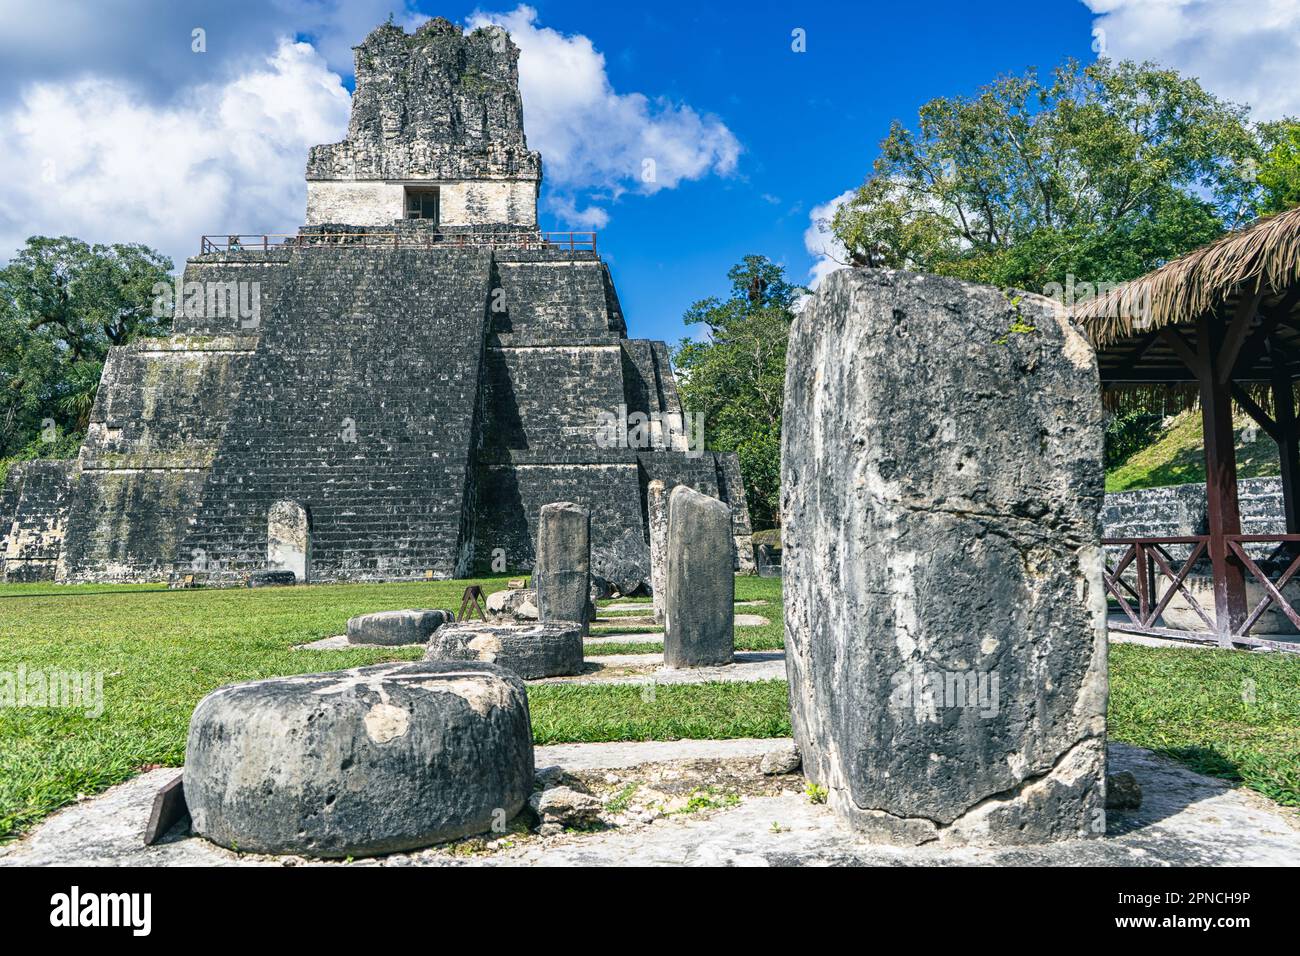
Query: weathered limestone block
[700, 583]
[945, 616]
[288, 538]
[784, 760]
[657, 501]
[624, 561]
[561, 807]
[563, 572]
[270, 578]
[413, 626]
[732, 489]
[362, 761]
[517, 603]
[34, 504]
[530, 650]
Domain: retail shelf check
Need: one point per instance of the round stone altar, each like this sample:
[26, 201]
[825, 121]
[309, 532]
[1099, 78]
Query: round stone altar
[410, 626]
[359, 762]
[553, 649]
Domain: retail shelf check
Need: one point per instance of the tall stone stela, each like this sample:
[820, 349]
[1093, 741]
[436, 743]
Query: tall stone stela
[945, 616]
[562, 575]
[699, 586]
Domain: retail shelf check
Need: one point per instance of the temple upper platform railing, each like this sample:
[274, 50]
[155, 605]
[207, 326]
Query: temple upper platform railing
[1147, 582]
[268, 242]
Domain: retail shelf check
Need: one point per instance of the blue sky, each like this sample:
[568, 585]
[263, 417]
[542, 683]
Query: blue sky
[117, 130]
[809, 123]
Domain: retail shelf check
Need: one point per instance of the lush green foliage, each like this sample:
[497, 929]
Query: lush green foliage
[63, 304]
[1177, 456]
[1100, 172]
[1130, 431]
[1279, 170]
[735, 377]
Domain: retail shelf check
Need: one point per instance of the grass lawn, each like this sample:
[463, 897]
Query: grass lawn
[161, 651]
[765, 637]
[568, 712]
[609, 630]
[1229, 714]
[1178, 457]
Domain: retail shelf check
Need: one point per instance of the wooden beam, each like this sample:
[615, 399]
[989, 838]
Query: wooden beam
[1288, 445]
[1131, 360]
[1222, 509]
[1179, 346]
[1260, 416]
[1270, 319]
[1235, 336]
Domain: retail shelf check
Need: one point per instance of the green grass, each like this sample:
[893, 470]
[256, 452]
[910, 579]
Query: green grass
[765, 637]
[568, 712]
[161, 651]
[610, 630]
[1177, 457]
[1229, 714]
[605, 650]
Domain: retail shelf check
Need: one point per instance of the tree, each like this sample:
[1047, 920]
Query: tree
[63, 304]
[736, 377]
[1102, 172]
[1279, 172]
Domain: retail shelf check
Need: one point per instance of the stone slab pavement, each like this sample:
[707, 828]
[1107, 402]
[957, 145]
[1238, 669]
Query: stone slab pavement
[646, 605]
[340, 642]
[1185, 819]
[649, 637]
[639, 668]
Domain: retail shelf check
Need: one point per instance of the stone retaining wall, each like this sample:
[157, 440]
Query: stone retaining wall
[1179, 510]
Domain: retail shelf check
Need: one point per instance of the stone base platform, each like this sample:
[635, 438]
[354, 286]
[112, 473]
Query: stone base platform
[1185, 819]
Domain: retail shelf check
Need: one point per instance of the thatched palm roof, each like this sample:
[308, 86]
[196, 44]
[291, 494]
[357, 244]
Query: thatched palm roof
[1266, 254]
[1256, 269]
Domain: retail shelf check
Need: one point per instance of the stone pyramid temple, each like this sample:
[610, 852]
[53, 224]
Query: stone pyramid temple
[390, 393]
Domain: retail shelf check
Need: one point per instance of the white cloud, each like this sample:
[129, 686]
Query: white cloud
[147, 43]
[90, 157]
[592, 137]
[110, 146]
[828, 253]
[589, 217]
[1246, 51]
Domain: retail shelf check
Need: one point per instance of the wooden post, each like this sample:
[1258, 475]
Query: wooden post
[1222, 509]
[1288, 447]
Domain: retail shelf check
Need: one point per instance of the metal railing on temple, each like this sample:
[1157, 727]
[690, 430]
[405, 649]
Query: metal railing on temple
[1144, 577]
[267, 242]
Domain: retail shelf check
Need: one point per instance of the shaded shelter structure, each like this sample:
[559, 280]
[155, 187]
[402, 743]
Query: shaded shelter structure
[1217, 327]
